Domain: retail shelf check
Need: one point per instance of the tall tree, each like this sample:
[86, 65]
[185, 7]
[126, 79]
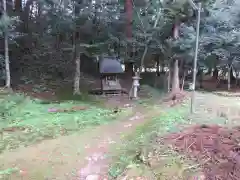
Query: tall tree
[18, 5]
[6, 50]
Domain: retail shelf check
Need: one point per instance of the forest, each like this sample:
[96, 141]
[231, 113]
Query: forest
[54, 123]
[43, 39]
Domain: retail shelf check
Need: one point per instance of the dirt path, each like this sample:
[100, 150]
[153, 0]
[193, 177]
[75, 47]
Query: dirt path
[217, 109]
[73, 157]
[213, 146]
[77, 156]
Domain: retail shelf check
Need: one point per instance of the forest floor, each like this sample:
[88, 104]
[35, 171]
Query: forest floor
[183, 146]
[77, 140]
[43, 139]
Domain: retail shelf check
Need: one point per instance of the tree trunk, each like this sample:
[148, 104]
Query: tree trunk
[200, 78]
[232, 77]
[129, 68]
[158, 67]
[183, 80]
[77, 77]
[175, 81]
[18, 5]
[162, 67]
[229, 77]
[237, 74]
[157, 72]
[6, 51]
[129, 14]
[169, 79]
[215, 73]
[128, 30]
[7, 64]
[24, 16]
[76, 53]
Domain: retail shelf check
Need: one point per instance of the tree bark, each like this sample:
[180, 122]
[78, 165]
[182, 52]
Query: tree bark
[175, 81]
[162, 67]
[76, 53]
[158, 66]
[200, 78]
[183, 80]
[229, 77]
[237, 74]
[77, 77]
[215, 73]
[6, 51]
[7, 64]
[18, 5]
[129, 14]
[157, 72]
[128, 7]
[232, 77]
[169, 79]
[129, 68]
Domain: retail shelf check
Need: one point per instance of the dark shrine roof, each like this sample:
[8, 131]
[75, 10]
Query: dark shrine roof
[110, 65]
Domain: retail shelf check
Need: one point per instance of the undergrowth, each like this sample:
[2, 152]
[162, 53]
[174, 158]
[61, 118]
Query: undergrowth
[24, 121]
[64, 94]
[153, 95]
[134, 153]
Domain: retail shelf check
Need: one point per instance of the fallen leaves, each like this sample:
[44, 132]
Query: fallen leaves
[212, 146]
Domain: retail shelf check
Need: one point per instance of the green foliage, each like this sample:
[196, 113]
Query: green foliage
[50, 36]
[220, 35]
[8, 171]
[5, 22]
[25, 121]
[9, 24]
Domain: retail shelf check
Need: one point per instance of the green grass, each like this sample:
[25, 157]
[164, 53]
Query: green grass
[31, 121]
[154, 95]
[141, 142]
[64, 94]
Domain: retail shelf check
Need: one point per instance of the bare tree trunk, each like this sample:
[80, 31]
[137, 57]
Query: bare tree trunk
[169, 80]
[129, 13]
[237, 74]
[7, 66]
[128, 7]
[77, 77]
[129, 68]
[157, 75]
[233, 78]
[158, 67]
[18, 5]
[162, 67]
[76, 53]
[175, 81]
[215, 73]
[229, 77]
[183, 80]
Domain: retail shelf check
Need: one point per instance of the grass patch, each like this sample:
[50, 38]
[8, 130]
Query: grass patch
[153, 95]
[134, 154]
[66, 94]
[24, 121]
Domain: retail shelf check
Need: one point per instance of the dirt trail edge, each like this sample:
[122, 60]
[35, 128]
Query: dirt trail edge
[74, 157]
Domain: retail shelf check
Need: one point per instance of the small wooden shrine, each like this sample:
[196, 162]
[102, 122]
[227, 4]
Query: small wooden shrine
[110, 68]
